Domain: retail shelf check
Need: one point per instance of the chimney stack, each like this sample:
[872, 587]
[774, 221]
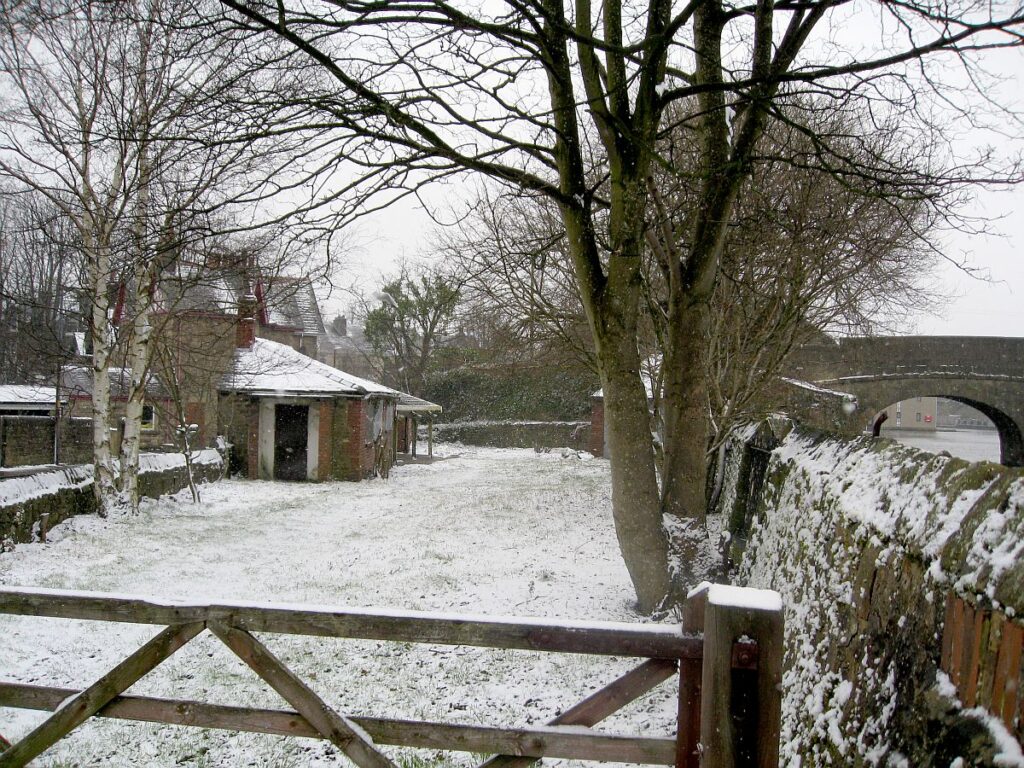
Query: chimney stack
[245, 331]
[341, 325]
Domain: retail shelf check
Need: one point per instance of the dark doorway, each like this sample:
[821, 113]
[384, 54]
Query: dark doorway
[290, 427]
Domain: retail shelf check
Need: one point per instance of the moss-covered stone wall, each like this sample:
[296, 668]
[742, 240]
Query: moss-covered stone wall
[874, 546]
[31, 504]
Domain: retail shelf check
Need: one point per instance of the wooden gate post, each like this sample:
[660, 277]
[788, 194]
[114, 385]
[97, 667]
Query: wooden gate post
[736, 614]
[690, 672]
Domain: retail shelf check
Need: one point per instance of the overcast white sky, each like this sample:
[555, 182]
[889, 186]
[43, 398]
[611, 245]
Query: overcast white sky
[973, 307]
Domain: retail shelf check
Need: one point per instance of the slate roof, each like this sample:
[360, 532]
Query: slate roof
[289, 302]
[268, 368]
[76, 381]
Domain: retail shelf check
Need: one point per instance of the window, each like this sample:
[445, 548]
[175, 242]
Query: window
[148, 418]
[917, 416]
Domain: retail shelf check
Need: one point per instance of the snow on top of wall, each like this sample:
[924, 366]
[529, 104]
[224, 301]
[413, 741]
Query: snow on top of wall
[268, 367]
[744, 597]
[901, 492]
[818, 390]
[157, 462]
[18, 490]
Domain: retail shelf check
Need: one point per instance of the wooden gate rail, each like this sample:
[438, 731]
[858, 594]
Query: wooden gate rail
[743, 638]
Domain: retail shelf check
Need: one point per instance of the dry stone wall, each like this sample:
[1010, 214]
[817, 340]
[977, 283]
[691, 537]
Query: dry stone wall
[28, 440]
[903, 578]
[31, 504]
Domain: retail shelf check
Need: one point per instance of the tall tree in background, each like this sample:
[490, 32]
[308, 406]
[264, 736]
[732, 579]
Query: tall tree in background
[415, 312]
[40, 278]
[807, 253]
[519, 92]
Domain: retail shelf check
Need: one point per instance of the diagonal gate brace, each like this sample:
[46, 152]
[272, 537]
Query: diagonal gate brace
[336, 728]
[604, 703]
[84, 705]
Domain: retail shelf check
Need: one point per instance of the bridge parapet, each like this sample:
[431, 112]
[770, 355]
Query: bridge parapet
[979, 356]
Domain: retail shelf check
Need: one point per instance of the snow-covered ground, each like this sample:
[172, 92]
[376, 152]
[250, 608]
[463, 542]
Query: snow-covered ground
[488, 531]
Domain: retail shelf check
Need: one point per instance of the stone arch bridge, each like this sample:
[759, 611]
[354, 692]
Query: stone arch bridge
[984, 372]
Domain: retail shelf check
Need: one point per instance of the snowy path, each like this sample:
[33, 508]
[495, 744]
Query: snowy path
[485, 531]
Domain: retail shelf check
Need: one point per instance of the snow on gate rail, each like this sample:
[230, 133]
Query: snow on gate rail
[740, 649]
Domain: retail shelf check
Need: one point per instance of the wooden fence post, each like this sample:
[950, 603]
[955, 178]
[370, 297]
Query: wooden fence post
[733, 614]
[688, 721]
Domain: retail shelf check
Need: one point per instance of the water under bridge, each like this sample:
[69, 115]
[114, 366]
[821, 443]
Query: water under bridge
[984, 372]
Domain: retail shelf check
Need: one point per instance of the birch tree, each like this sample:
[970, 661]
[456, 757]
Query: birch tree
[567, 101]
[59, 137]
[121, 115]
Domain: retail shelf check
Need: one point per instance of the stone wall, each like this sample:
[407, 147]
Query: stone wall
[903, 577]
[517, 434]
[28, 440]
[31, 504]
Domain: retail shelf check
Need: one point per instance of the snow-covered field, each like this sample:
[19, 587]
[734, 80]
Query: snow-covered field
[488, 531]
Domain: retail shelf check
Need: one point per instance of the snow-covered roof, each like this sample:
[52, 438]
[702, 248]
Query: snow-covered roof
[268, 368]
[76, 381]
[410, 404]
[27, 397]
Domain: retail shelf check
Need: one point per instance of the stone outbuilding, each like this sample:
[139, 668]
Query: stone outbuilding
[291, 417]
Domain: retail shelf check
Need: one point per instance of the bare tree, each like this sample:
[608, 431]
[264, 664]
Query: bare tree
[518, 90]
[39, 288]
[807, 253]
[120, 115]
[519, 290]
[810, 250]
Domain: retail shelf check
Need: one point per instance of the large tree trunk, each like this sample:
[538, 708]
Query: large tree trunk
[635, 503]
[685, 438]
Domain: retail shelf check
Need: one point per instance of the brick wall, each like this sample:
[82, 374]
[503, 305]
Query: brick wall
[238, 421]
[344, 465]
[324, 444]
[981, 653]
[359, 456]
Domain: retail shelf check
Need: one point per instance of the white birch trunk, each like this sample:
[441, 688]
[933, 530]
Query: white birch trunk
[138, 363]
[97, 253]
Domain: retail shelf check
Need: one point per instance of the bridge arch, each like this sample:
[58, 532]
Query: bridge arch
[1011, 436]
[985, 372]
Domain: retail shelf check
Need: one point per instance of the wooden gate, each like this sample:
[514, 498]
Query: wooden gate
[728, 656]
